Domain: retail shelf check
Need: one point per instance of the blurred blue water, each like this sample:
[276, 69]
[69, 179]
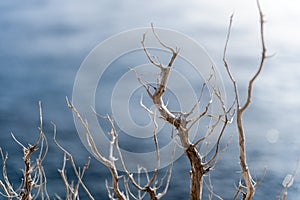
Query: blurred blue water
[42, 44]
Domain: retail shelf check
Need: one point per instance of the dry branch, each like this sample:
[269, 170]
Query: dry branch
[181, 121]
[71, 190]
[34, 179]
[250, 184]
[151, 187]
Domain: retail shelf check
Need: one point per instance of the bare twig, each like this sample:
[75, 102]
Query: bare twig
[34, 180]
[68, 156]
[179, 120]
[250, 184]
[9, 192]
[108, 162]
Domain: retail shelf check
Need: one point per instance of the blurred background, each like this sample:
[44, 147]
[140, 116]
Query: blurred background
[43, 43]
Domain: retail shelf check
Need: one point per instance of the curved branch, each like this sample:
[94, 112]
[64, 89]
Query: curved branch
[250, 184]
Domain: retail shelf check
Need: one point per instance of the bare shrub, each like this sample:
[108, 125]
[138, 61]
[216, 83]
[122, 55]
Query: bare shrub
[34, 182]
[128, 185]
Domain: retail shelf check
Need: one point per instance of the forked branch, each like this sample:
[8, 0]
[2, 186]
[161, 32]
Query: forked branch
[34, 179]
[151, 187]
[250, 185]
[180, 121]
